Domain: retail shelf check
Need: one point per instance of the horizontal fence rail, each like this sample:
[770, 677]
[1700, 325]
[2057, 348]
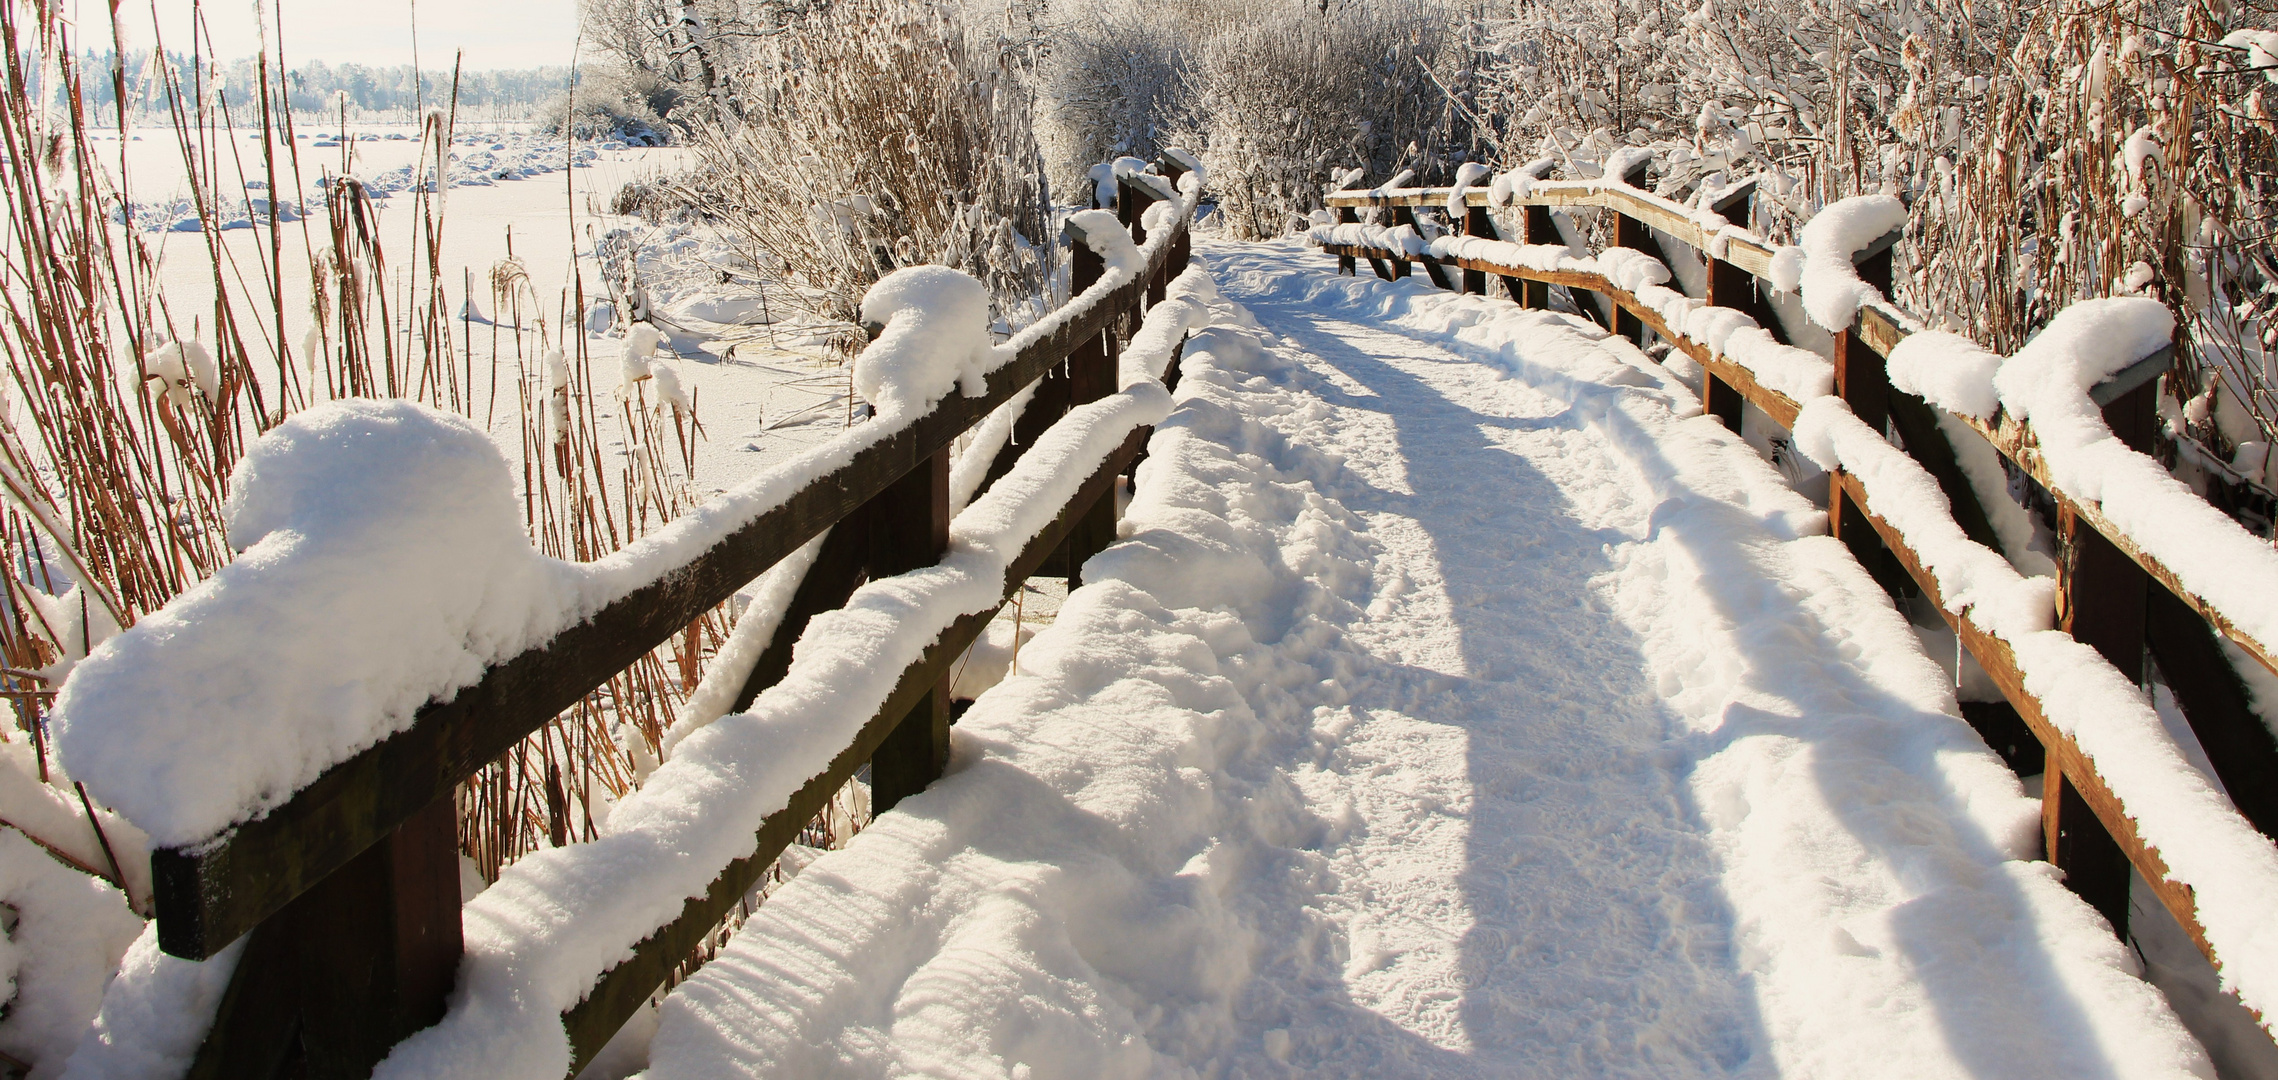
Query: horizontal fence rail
[2114, 595]
[349, 889]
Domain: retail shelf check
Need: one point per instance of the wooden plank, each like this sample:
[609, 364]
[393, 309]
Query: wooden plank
[209, 896]
[625, 987]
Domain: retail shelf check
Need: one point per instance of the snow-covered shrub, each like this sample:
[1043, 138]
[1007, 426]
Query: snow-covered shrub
[1279, 101]
[1275, 97]
[605, 109]
[1112, 85]
[890, 133]
[2047, 153]
[664, 55]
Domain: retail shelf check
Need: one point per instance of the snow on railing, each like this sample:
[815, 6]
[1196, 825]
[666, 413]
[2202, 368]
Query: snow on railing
[292, 730]
[2115, 780]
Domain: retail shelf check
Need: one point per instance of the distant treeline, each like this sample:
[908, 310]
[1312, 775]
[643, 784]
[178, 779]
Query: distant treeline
[318, 87]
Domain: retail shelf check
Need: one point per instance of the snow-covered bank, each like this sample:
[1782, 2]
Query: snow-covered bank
[1460, 702]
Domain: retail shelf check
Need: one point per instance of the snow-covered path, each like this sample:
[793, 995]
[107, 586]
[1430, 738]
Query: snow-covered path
[1531, 875]
[1460, 702]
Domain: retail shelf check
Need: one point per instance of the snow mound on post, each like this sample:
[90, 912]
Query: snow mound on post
[1947, 370]
[1103, 233]
[1832, 288]
[1471, 173]
[384, 565]
[940, 339]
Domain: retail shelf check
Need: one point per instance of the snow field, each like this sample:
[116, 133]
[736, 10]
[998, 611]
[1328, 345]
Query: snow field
[1458, 702]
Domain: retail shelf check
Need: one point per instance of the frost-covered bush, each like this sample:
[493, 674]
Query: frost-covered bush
[1274, 96]
[1113, 85]
[1278, 102]
[884, 134]
[677, 53]
[630, 110]
[2048, 153]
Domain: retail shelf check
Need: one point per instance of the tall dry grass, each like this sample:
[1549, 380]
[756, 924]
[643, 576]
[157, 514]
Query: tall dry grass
[125, 410]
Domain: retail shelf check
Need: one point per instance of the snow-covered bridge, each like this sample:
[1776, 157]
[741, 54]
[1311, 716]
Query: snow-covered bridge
[1458, 701]
[1455, 695]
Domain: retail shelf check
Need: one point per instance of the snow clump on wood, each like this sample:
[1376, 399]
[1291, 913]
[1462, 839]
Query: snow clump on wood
[383, 565]
[935, 337]
[1832, 288]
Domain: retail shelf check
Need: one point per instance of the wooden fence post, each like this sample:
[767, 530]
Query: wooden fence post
[1406, 215]
[1174, 172]
[331, 982]
[1476, 222]
[1346, 264]
[1862, 381]
[1730, 286]
[1633, 234]
[1091, 376]
[1535, 227]
[1131, 203]
[2102, 601]
[909, 530]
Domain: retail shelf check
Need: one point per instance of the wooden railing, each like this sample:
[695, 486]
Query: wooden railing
[350, 889]
[2113, 594]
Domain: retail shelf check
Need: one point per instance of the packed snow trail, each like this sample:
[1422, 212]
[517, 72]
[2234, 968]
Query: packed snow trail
[1460, 702]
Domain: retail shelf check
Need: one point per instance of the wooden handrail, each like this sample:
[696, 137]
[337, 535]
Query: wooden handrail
[1879, 326]
[208, 896]
[382, 821]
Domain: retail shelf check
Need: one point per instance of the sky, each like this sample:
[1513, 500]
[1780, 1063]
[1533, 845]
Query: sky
[494, 33]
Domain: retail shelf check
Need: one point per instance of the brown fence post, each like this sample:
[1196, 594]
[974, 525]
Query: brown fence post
[1535, 227]
[1633, 234]
[2102, 601]
[1346, 264]
[1091, 376]
[1730, 286]
[1174, 172]
[909, 530]
[1863, 383]
[329, 984]
[1403, 214]
[1477, 223]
